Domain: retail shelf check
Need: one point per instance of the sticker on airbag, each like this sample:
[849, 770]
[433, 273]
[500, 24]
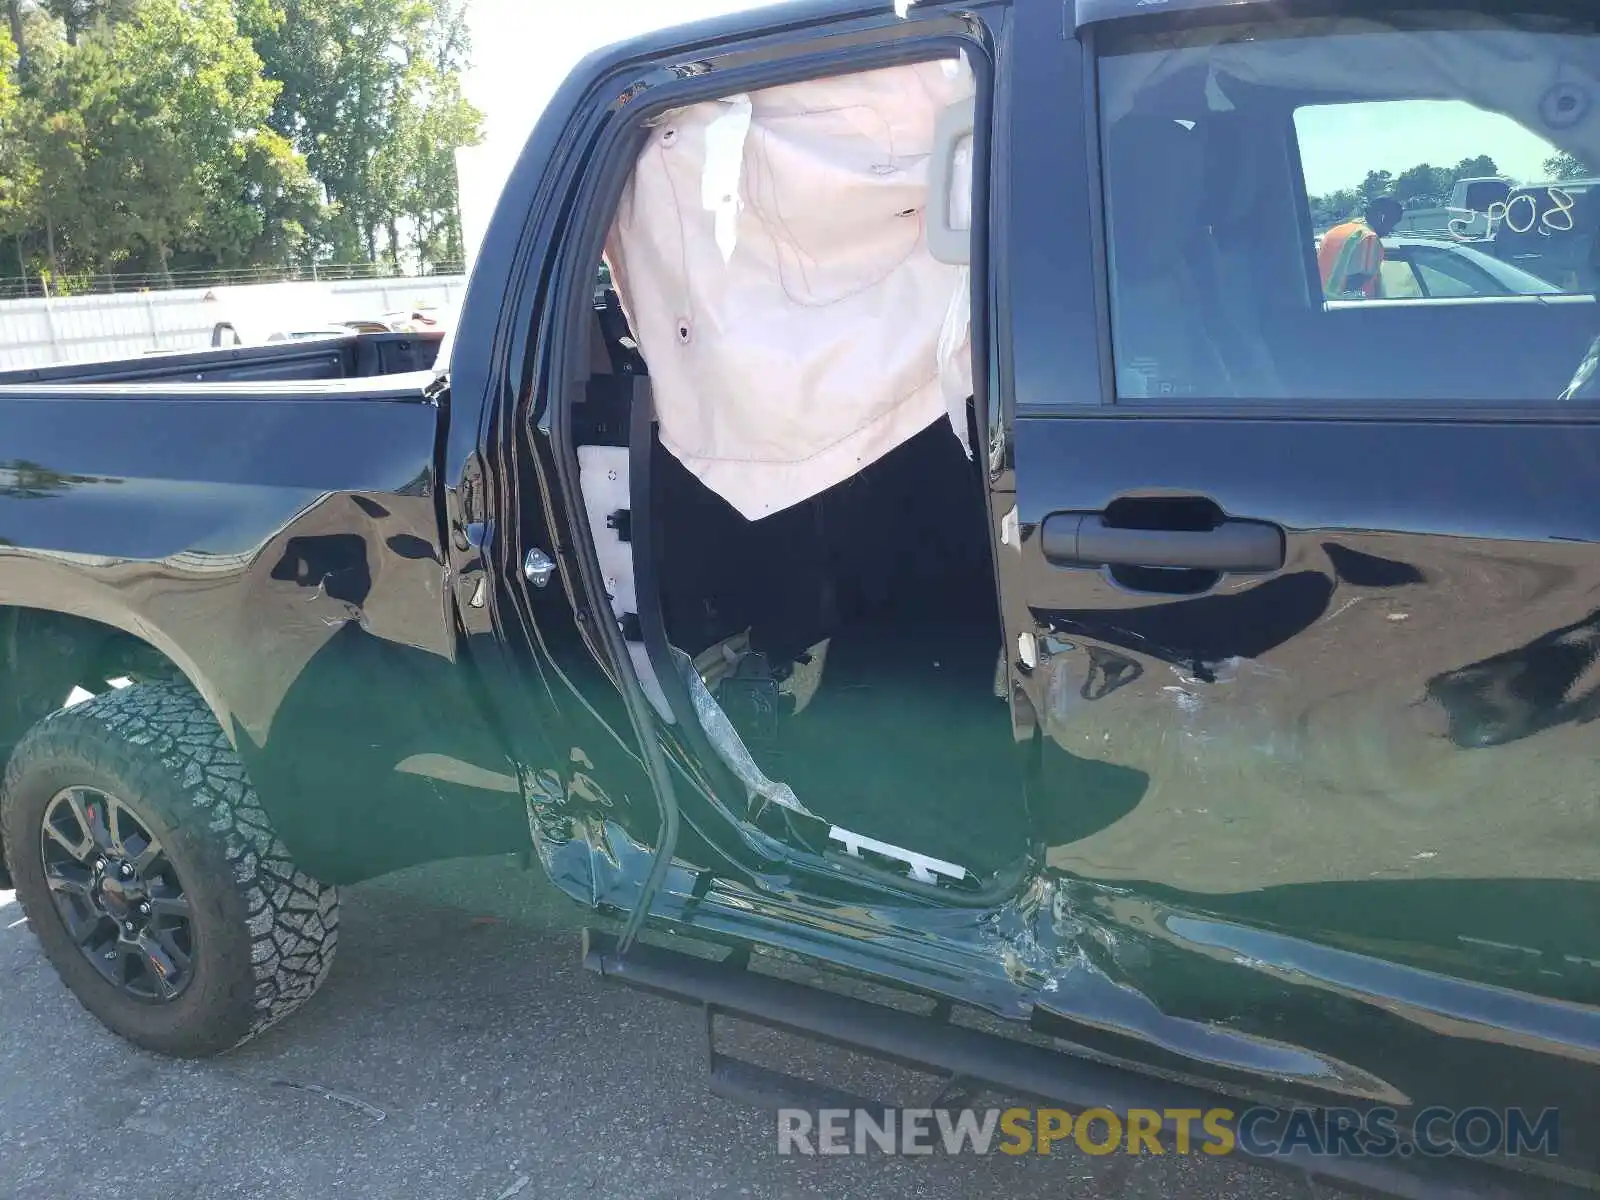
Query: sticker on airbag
[719, 181]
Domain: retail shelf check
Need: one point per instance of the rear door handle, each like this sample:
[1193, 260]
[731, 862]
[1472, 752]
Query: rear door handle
[1084, 540]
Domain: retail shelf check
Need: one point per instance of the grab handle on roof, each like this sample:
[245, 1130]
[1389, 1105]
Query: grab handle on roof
[946, 242]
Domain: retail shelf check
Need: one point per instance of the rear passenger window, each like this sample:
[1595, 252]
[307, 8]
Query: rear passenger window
[1353, 210]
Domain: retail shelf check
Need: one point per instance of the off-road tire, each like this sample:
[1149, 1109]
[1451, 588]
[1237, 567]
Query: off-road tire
[265, 932]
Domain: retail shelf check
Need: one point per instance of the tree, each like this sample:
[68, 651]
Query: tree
[47, 149]
[77, 16]
[264, 209]
[431, 194]
[418, 164]
[18, 64]
[1377, 183]
[158, 135]
[1421, 186]
[1562, 166]
[13, 166]
[148, 139]
[18, 177]
[367, 85]
[1335, 207]
[1478, 167]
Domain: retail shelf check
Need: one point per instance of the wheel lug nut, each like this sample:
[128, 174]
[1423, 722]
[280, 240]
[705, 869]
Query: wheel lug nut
[144, 910]
[99, 864]
[126, 871]
[127, 926]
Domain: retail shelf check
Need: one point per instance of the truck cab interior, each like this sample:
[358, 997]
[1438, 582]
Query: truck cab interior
[840, 654]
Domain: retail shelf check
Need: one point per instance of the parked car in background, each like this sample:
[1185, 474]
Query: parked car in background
[1438, 268]
[1550, 230]
[418, 320]
[256, 314]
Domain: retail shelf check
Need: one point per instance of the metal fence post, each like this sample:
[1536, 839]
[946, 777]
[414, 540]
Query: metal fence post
[50, 327]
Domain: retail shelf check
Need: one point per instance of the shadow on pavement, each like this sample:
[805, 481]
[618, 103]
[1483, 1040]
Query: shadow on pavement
[459, 1050]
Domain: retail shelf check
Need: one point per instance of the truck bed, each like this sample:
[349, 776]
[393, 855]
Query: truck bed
[357, 356]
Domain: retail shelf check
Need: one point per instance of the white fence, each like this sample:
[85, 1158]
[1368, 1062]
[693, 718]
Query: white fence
[87, 328]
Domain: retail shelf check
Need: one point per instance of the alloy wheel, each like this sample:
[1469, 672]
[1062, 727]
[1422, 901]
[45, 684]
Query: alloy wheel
[118, 893]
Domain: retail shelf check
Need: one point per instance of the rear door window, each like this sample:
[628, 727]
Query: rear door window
[1329, 210]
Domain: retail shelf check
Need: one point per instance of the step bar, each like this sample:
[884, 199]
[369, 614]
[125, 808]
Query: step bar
[969, 1059]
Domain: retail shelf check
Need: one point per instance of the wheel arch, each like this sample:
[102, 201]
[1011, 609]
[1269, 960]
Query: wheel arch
[46, 653]
[156, 752]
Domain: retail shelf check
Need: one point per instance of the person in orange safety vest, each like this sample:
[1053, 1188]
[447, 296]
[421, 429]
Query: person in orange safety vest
[1352, 253]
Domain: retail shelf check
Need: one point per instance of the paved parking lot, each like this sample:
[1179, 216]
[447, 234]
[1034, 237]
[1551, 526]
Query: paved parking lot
[461, 1051]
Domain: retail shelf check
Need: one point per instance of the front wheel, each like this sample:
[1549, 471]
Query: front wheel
[152, 877]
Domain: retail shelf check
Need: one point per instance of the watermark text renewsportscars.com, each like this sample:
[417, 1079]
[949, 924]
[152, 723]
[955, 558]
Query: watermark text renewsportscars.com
[1259, 1132]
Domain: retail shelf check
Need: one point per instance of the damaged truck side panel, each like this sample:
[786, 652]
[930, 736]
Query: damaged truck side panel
[281, 552]
[1318, 824]
[1380, 981]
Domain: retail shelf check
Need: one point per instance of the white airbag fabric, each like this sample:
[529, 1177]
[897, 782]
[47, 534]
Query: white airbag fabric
[769, 254]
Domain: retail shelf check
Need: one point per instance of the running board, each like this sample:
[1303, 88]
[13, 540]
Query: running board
[971, 1060]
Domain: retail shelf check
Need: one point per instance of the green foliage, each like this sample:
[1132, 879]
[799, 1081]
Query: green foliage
[1421, 186]
[16, 171]
[1564, 166]
[150, 136]
[371, 96]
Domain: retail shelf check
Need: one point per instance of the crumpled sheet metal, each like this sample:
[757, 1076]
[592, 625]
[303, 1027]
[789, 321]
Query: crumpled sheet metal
[729, 744]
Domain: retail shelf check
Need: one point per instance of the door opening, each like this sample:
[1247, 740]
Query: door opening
[773, 450]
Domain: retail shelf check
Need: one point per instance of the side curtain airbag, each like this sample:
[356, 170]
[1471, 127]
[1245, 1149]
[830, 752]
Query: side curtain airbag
[770, 254]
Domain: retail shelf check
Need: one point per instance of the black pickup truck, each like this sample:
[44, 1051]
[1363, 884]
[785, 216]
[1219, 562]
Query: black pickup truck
[1221, 720]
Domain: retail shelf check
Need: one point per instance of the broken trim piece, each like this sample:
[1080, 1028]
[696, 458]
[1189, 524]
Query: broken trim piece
[729, 745]
[923, 868]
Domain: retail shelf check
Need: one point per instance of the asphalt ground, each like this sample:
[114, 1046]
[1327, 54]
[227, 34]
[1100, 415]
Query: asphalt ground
[460, 1050]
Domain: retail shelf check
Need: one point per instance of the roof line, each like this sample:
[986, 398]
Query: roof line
[1088, 11]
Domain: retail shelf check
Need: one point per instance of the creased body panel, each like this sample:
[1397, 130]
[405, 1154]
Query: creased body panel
[283, 551]
[1353, 804]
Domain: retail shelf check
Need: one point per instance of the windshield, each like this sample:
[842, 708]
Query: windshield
[1257, 177]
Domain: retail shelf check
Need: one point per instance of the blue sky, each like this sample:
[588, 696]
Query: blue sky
[1340, 143]
[519, 58]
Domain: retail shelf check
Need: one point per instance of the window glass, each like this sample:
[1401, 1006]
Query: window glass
[1350, 209]
[1397, 281]
[1446, 273]
[1444, 282]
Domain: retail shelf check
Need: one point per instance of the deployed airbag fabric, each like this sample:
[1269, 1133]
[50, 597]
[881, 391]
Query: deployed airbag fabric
[769, 253]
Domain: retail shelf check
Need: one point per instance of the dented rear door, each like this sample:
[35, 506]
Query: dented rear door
[1304, 595]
